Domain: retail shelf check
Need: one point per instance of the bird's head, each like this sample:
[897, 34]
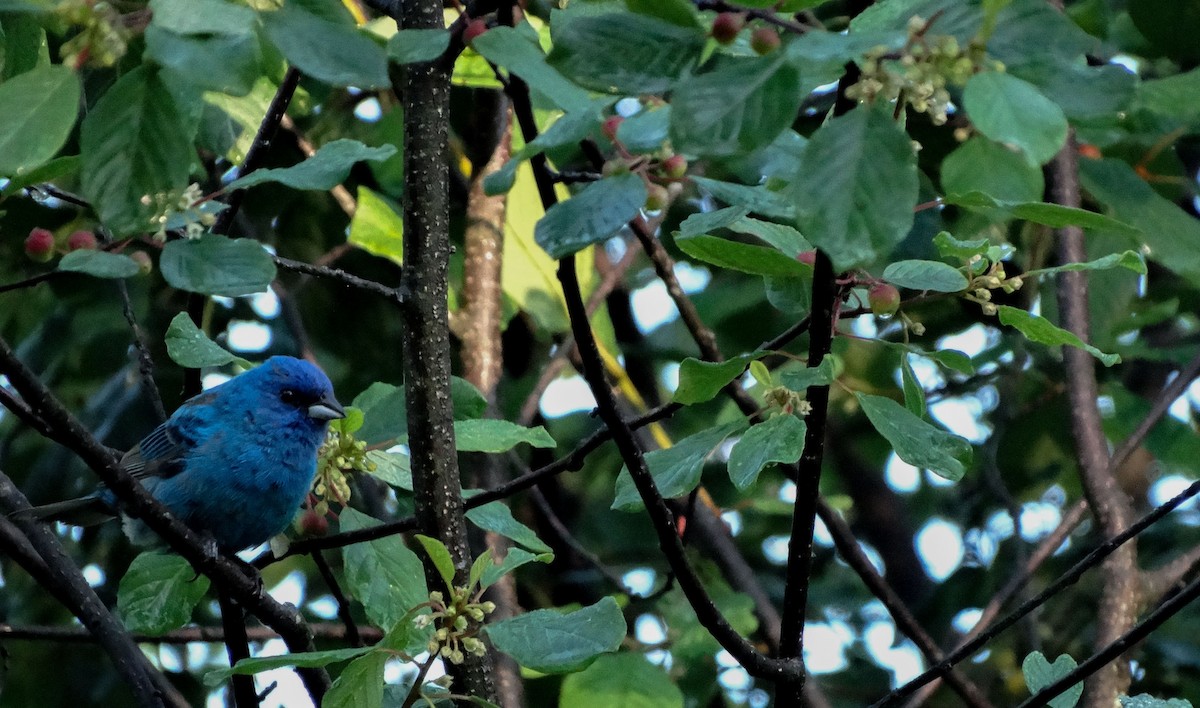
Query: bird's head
[298, 385]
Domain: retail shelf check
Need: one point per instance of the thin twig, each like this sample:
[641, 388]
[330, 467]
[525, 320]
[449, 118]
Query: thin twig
[343, 605]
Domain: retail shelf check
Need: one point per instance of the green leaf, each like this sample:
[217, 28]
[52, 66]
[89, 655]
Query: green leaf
[437, 552]
[1145, 700]
[703, 222]
[918, 443]
[758, 200]
[40, 109]
[468, 402]
[622, 52]
[740, 106]
[950, 247]
[1040, 330]
[229, 64]
[393, 468]
[497, 517]
[775, 440]
[490, 435]
[678, 12]
[326, 169]
[385, 417]
[376, 227]
[1040, 673]
[926, 275]
[982, 165]
[647, 130]
[158, 593]
[350, 424]
[509, 48]
[515, 558]
[306, 659]
[914, 393]
[191, 348]
[100, 264]
[203, 17]
[591, 216]
[1130, 260]
[216, 265]
[760, 373]
[1013, 112]
[701, 381]
[801, 379]
[626, 679]
[553, 643]
[134, 143]
[857, 187]
[409, 46]
[676, 470]
[360, 685]
[48, 172]
[335, 53]
[386, 577]
[781, 236]
[742, 257]
[1054, 215]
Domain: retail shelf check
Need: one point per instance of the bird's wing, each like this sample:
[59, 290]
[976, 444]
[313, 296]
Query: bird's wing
[161, 453]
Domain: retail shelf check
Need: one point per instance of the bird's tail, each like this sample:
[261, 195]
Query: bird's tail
[84, 511]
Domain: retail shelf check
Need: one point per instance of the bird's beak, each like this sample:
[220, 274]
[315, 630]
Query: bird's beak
[327, 408]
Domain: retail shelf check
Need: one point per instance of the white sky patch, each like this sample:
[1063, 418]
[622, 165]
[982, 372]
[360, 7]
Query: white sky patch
[668, 376]
[368, 111]
[324, 607]
[248, 336]
[901, 476]
[775, 548]
[652, 307]
[566, 395]
[1038, 519]
[265, 304]
[290, 692]
[733, 519]
[966, 620]
[787, 492]
[649, 630]
[1168, 488]
[290, 590]
[821, 535]
[825, 646]
[692, 278]
[1126, 61]
[903, 659]
[169, 658]
[93, 574]
[961, 416]
[1181, 408]
[940, 545]
[971, 341]
[639, 580]
[981, 548]
[214, 379]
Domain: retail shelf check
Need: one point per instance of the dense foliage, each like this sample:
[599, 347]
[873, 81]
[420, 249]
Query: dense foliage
[793, 342]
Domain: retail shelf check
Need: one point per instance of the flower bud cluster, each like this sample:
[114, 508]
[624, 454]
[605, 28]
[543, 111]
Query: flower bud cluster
[184, 210]
[457, 624]
[787, 401]
[981, 287]
[340, 453]
[104, 38]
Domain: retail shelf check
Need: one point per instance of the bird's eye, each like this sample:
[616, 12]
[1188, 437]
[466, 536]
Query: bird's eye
[287, 396]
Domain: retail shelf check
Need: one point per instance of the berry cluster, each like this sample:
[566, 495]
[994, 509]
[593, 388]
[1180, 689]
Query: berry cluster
[728, 25]
[670, 168]
[104, 38]
[189, 210]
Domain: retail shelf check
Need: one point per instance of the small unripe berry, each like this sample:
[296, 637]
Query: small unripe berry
[807, 257]
[657, 197]
[884, 300]
[145, 265]
[727, 26]
[611, 124]
[313, 524]
[764, 40]
[614, 167]
[81, 240]
[675, 166]
[39, 245]
[473, 30]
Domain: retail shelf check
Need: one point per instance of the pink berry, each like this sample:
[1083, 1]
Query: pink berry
[39, 245]
[473, 30]
[313, 524]
[81, 240]
[764, 40]
[611, 124]
[884, 299]
[675, 166]
[807, 257]
[145, 265]
[727, 26]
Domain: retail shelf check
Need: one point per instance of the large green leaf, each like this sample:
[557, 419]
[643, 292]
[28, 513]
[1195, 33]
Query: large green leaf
[594, 214]
[326, 169]
[1043, 331]
[1054, 215]
[857, 187]
[915, 441]
[622, 52]
[416, 45]
[1040, 673]
[376, 227]
[508, 48]
[384, 575]
[982, 165]
[925, 275]
[776, 440]
[336, 53]
[757, 199]
[158, 593]
[216, 265]
[226, 63]
[305, 659]
[202, 17]
[1013, 112]
[676, 470]
[100, 264]
[190, 347]
[701, 381]
[742, 257]
[134, 145]
[627, 679]
[492, 435]
[40, 107]
[560, 642]
[360, 685]
[738, 107]
[498, 518]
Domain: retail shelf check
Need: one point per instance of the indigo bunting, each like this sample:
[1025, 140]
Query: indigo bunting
[234, 463]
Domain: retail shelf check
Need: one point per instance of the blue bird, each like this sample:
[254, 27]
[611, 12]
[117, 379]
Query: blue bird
[234, 463]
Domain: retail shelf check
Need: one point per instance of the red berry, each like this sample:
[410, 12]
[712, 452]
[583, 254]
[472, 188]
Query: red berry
[145, 265]
[807, 257]
[81, 240]
[473, 30]
[39, 245]
[764, 40]
[884, 300]
[313, 524]
[657, 197]
[1090, 151]
[727, 26]
[675, 166]
[611, 124]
